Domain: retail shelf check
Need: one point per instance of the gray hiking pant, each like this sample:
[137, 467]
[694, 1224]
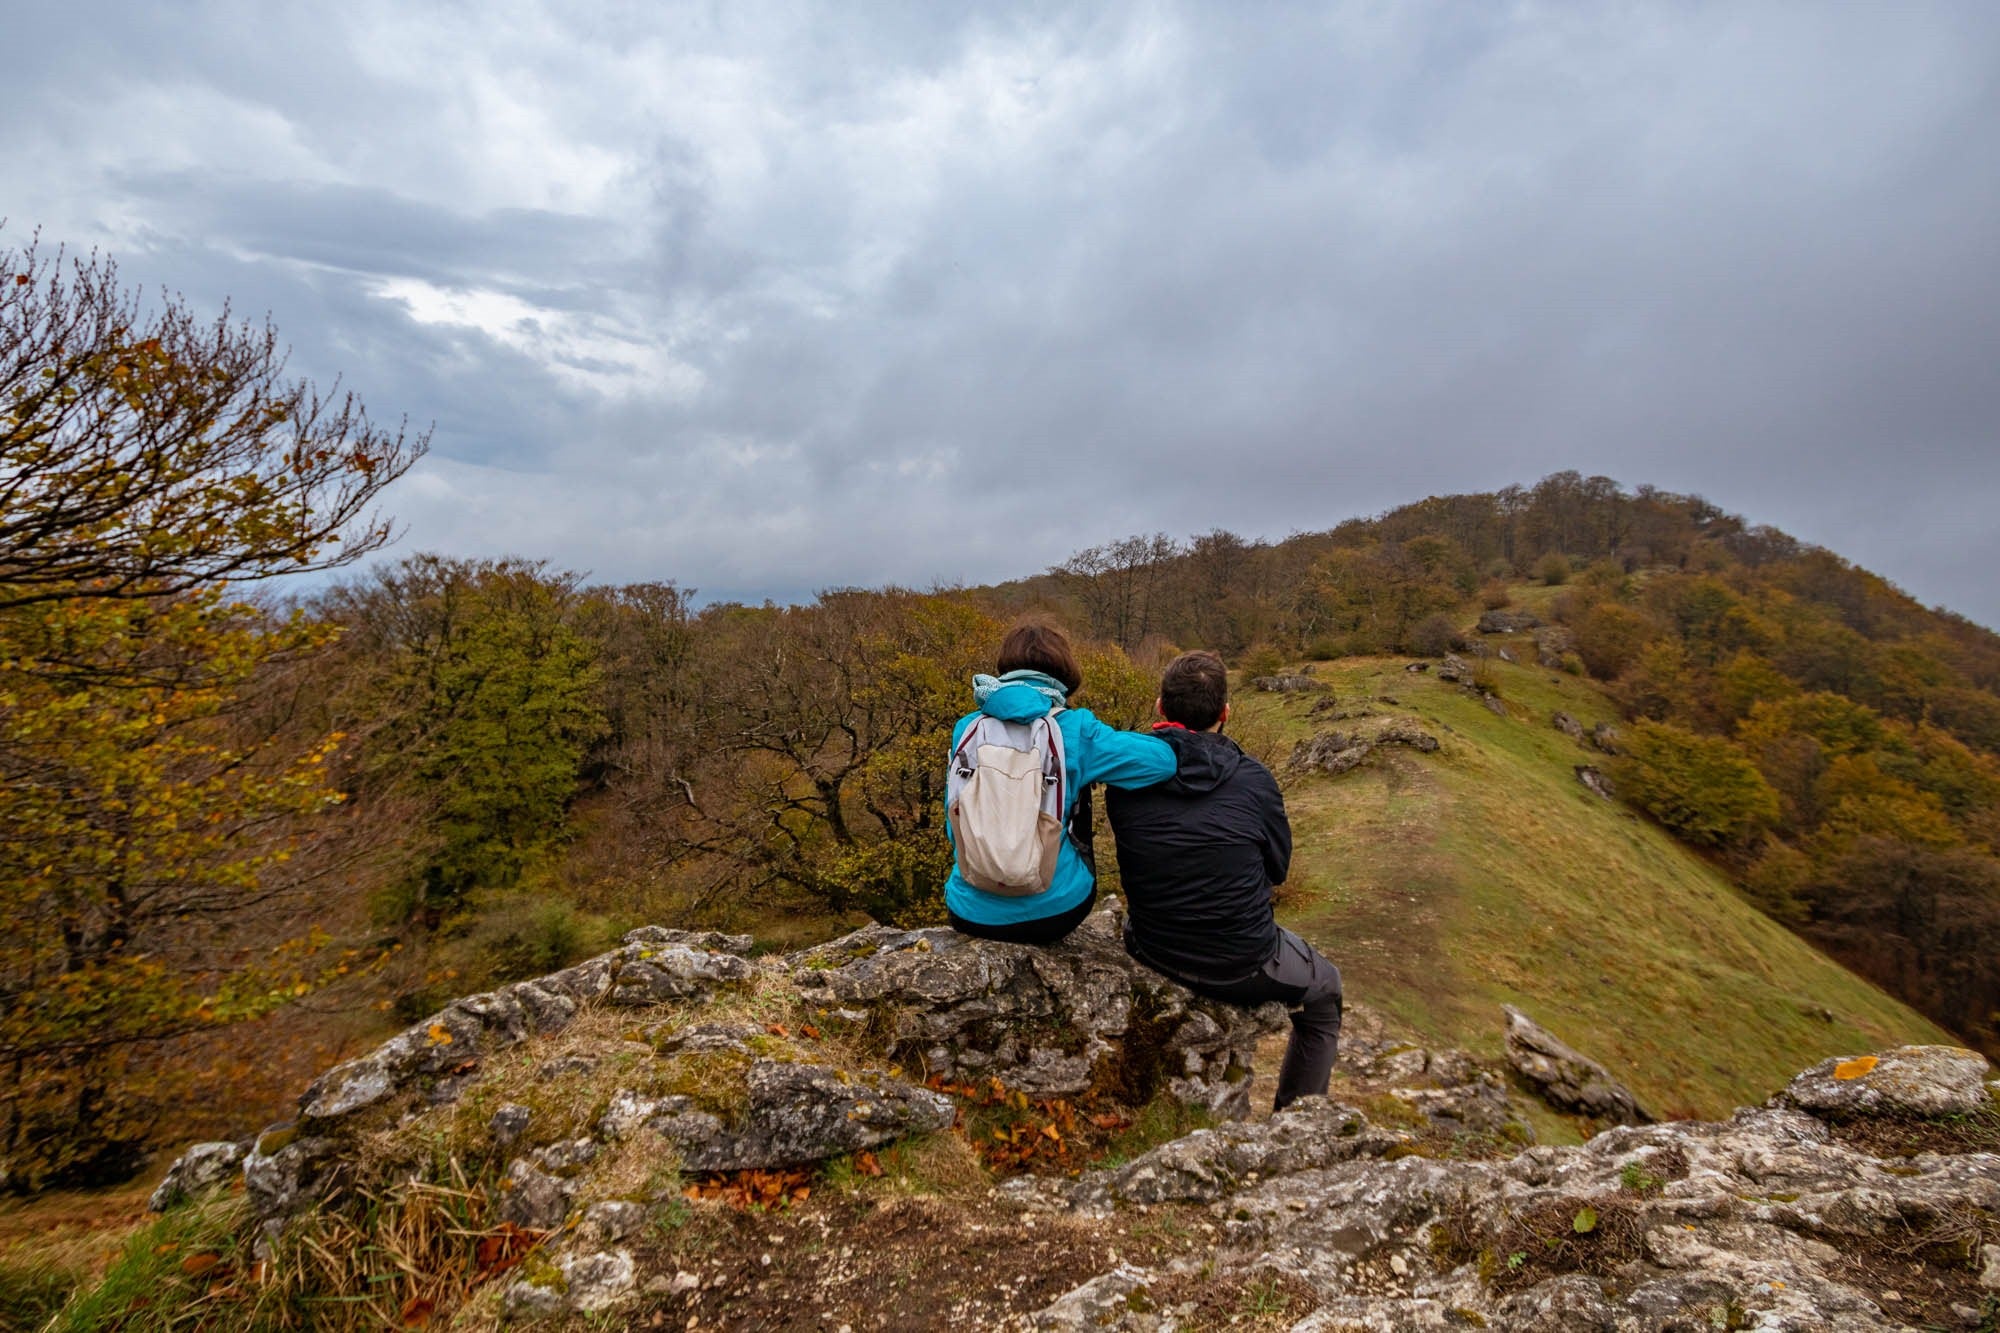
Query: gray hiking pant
[1309, 986]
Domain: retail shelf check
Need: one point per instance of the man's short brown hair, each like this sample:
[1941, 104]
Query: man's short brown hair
[1194, 690]
[1036, 645]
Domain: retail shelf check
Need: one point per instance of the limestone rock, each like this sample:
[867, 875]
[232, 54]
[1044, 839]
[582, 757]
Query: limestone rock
[1508, 622]
[1337, 752]
[591, 1283]
[532, 1198]
[800, 1113]
[1605, 737]
[1287, 684]
[709, 941]
[1926, 1081]
[1455, 670]
[1567, 725]
[1593, 778]
[1055, 1020]
[1105, 1304]
[1564, 1077]
[509, 1122]
[1309, 1134]
[201, 1168]
[282, 1167]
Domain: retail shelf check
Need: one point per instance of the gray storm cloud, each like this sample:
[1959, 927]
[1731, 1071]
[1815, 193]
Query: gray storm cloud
[762, 298]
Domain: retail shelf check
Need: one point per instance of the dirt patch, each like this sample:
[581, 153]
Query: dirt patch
[889, 1263]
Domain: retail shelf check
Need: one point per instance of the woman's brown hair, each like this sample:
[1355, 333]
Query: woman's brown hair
[1039, 646]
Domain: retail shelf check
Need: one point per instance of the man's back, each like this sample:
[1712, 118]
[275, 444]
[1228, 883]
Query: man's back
[1197, 856]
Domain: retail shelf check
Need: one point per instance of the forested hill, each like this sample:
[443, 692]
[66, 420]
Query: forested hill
[1828, 740]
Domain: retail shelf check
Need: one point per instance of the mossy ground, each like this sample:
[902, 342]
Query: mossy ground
[1445, 885]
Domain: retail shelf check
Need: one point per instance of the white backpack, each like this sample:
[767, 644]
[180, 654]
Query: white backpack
[1005, 792]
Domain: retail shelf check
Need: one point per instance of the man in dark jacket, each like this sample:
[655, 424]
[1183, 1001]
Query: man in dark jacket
[1198, 855]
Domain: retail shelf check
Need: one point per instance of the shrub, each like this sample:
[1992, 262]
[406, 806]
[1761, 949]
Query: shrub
[1494, 595]
[1701, 787]
[1434, 636]
[1553, 569]
[1262, 660]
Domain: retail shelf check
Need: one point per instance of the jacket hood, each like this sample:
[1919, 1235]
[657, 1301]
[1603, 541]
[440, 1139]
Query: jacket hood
[1207, 759]
[1016, 701]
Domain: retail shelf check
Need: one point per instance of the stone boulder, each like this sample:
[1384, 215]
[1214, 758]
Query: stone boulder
[792, 1115]
[1339, 751]
[1288, 683]
[1567, 725]
[1455, 670]
[1604, 736]
[1921, 1081]
[1565, 1078]
[1595, 781]
[1508, 622]
[203, 1167]
[1053, 1021]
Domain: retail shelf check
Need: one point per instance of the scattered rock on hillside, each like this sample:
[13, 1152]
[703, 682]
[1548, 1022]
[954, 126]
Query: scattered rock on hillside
[1567, 725]
[1595, 781]
[1508, 622]
[1605, 737]
[1287, 684]
[1339, 751]
[1564, 1077]
[1506, 654]
[1455, 670]
[1494, 704]
[1552, 644]
[1418, 666]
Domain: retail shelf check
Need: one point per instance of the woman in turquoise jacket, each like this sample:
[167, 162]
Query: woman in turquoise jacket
[1038, 672]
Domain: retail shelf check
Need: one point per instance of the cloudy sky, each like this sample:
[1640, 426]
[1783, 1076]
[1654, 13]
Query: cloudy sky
[769, 297]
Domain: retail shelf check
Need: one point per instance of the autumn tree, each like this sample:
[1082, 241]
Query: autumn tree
[151, 462]
[480, 696]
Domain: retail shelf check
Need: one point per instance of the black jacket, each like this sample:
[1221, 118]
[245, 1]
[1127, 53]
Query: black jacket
[1197, 855]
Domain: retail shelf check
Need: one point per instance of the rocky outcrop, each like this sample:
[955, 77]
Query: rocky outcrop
[1340, 751]
[1769, 1220]
[1455, 670]
[1595, 782]
[1565, 1078]
[1567, 725]
[728, 1096]
[1508, 622]
[1605, 737]
[1289, 683]
[1051, 1022]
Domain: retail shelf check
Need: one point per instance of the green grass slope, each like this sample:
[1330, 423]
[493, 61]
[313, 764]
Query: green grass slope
[1447, 884]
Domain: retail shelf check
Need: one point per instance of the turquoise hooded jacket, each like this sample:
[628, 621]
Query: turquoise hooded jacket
[1092, 752]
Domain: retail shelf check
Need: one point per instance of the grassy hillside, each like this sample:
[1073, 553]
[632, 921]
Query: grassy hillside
[1447, 884]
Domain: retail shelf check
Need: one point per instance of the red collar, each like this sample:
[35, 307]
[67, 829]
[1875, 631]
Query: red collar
[1162, 726]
